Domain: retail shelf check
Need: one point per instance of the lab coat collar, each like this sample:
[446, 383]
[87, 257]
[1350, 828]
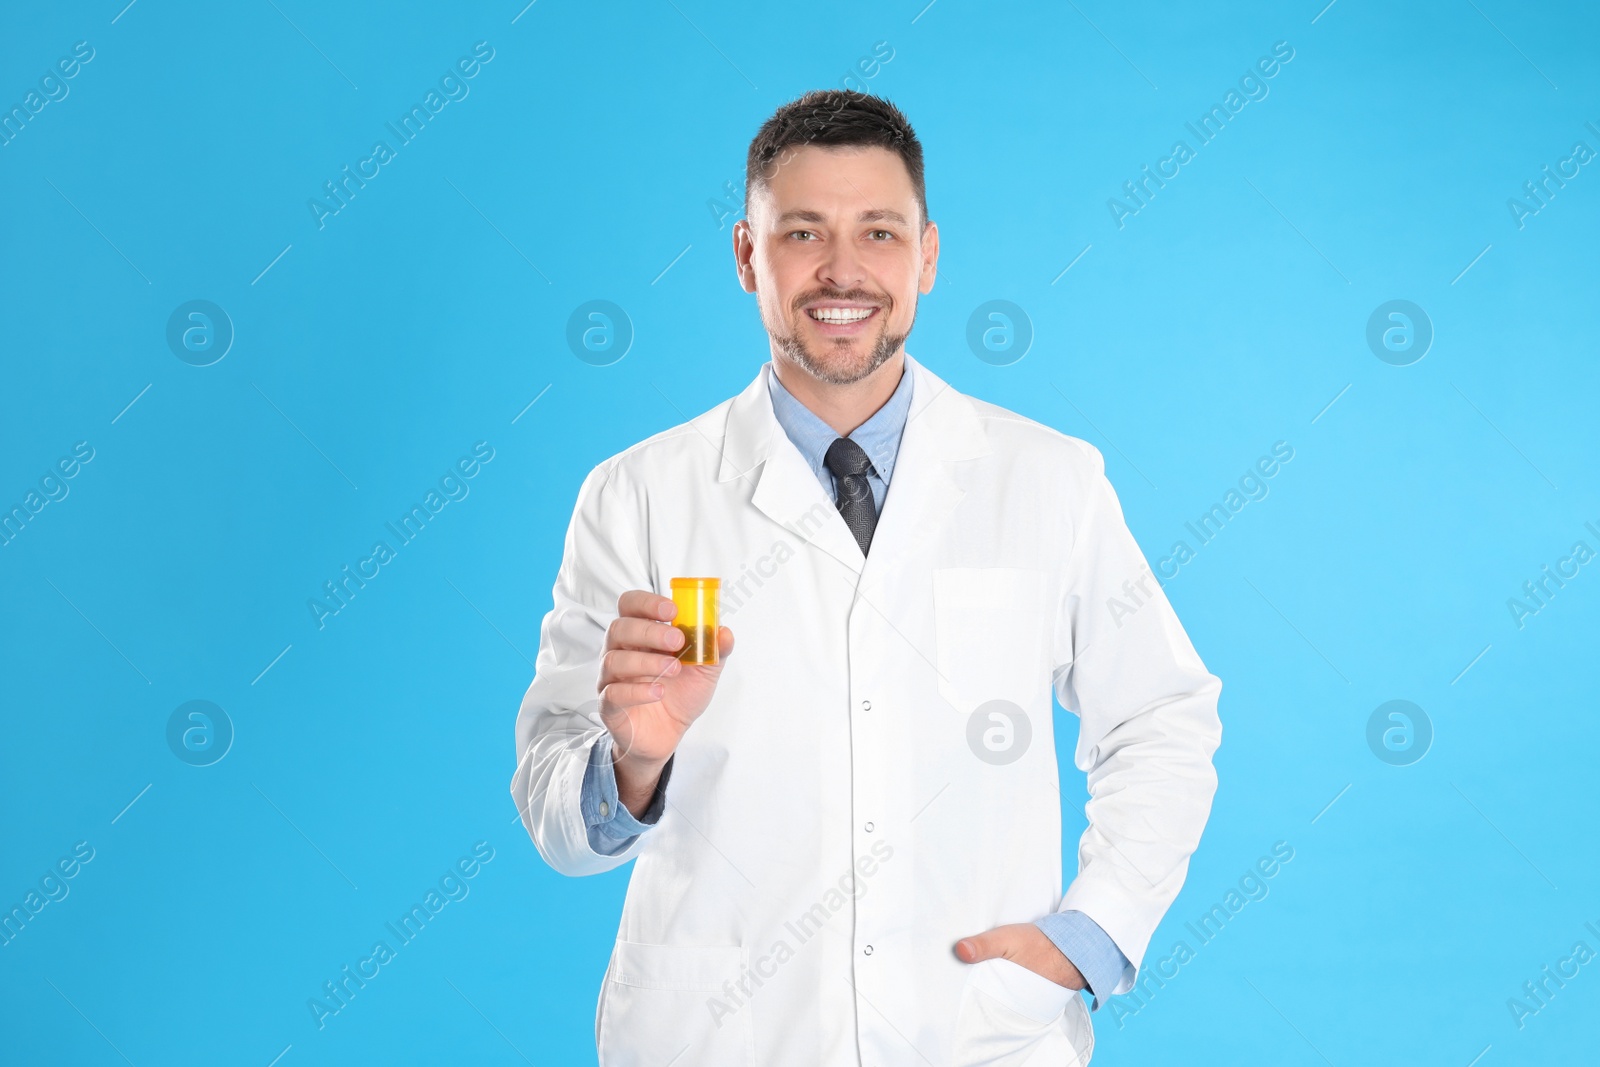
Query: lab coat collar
[941, 430]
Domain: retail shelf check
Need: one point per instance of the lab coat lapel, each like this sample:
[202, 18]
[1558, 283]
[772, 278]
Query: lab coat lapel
[783, 486]
[941, 431]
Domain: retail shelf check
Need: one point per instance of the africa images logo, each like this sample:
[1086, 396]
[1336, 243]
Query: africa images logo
[452, 87]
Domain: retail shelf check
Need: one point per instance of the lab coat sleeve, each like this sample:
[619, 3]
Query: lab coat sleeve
[559, 722]
[1148, 725]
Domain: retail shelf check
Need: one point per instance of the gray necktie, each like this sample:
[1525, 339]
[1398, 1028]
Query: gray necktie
[849, 464]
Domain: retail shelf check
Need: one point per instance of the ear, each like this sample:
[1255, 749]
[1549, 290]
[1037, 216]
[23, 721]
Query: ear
[930, 257]
[744, 249]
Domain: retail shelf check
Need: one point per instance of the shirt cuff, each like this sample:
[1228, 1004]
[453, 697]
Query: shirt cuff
[611, 826]
[1090, 949]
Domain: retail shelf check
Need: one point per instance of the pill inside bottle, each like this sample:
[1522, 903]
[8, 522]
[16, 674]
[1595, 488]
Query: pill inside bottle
[697, 618]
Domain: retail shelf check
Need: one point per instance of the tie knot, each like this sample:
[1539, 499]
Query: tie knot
[845, 457]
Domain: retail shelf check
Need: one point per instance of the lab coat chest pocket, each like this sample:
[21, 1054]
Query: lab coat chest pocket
[656, 994]
[992, 630]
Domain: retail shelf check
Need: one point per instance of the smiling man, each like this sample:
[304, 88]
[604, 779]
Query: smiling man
[848, 833]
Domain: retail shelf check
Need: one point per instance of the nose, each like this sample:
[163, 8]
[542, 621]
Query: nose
[842, 267]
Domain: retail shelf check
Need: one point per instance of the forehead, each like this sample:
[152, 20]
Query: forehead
[838, 181]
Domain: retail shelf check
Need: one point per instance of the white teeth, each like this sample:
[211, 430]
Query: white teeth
[840, 315]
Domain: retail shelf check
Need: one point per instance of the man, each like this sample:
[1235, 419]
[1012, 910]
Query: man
[848, 831]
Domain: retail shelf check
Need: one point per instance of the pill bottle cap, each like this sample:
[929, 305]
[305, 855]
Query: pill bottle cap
[690, 583]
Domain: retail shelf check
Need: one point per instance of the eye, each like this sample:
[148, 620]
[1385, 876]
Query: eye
[881, 235]
[805, 235]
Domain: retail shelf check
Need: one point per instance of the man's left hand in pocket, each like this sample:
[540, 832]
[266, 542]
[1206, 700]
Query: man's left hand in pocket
[1024, 944]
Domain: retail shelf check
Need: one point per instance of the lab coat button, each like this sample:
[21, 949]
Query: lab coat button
[868, 828]
[867, 951]
[866, 705]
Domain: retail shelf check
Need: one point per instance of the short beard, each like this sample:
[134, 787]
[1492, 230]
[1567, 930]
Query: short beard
[885, 347]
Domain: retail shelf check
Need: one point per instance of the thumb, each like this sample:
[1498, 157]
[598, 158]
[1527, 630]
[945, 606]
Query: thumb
[981, 947]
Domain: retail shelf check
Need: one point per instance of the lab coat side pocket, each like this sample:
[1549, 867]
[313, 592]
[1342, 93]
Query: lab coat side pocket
[1011, 1017]
[991, 629]
[661, 1000]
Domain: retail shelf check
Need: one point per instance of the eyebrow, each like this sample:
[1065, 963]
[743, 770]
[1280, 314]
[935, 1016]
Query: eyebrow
[883, 215]
[816, 217]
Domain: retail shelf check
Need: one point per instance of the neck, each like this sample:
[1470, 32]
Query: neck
[842, 407]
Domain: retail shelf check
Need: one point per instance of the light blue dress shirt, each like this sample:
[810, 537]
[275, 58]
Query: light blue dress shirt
[879, 436]
[612, 827]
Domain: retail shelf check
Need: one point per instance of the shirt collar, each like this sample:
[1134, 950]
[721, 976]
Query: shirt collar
[879, 436]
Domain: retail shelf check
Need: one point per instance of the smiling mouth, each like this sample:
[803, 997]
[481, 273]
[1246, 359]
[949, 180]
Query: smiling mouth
[840, 316]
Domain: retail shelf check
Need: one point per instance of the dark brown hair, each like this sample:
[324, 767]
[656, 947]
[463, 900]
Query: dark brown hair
[834, 118]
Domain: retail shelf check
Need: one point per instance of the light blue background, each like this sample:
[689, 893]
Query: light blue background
[429, 312]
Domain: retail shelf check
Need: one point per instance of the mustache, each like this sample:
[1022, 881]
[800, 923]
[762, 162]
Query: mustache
[843, 296]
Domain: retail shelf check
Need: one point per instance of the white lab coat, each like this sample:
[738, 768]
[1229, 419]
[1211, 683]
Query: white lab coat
[844, 812]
